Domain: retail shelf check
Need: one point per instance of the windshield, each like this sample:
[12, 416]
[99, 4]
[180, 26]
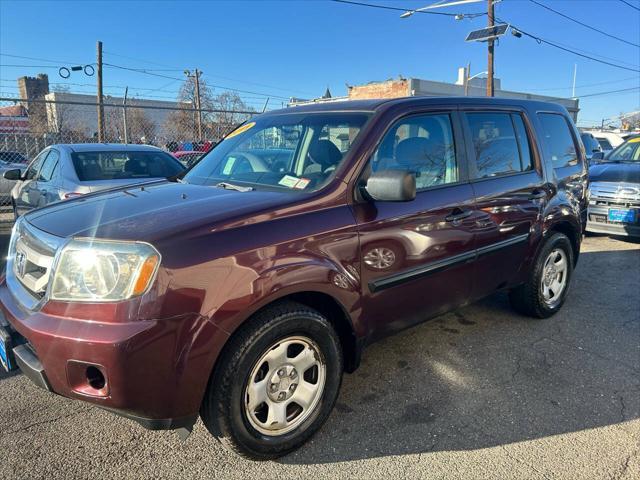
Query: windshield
[627, 152]
[292, 152]
[604, 143]
[92, 166]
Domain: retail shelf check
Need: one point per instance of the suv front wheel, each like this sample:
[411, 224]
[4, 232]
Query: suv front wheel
[276, 383]
[546, 288]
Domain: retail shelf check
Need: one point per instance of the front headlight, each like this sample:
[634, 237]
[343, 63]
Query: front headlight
[103, 271]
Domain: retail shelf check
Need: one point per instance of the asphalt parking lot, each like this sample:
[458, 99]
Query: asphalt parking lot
[478, 393]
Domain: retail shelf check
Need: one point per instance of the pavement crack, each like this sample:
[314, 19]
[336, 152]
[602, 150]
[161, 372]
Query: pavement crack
[633, 368]
[624, 467]
[48, 421]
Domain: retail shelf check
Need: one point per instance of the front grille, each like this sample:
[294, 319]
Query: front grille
[31, 257]
[623, 195]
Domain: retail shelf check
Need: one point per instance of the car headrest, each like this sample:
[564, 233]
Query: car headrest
[134, 166]
[91, 170]
[414, 151]
[325, 153]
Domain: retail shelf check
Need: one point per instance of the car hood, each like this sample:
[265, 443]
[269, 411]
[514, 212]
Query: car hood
[153, 211]
[615, 172]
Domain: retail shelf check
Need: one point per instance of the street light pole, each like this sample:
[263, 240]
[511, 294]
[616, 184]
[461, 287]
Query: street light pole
[491, 23]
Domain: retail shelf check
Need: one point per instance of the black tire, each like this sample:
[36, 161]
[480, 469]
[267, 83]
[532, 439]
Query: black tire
[223, 411]
[528, 299]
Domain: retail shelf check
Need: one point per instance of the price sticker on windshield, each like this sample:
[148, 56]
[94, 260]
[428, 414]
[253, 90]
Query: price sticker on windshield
[289, 181]
[294, 182]
[242, 129]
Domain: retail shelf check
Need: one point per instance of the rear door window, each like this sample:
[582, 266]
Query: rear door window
[500, 143]
[558, 139]
[50, 166]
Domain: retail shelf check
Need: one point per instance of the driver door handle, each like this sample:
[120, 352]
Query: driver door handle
[537, 194]
[458, 214]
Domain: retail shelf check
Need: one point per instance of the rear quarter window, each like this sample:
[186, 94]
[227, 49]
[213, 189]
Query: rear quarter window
[558, 140]
[117, 165]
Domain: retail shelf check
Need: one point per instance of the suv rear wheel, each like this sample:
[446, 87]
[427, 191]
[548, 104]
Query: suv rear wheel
[546, 289]
[276, 383]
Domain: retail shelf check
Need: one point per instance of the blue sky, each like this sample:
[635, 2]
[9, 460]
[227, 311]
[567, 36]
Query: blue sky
[298, 48]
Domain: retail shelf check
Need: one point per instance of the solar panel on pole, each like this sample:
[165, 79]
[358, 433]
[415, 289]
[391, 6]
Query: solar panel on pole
[485, 34]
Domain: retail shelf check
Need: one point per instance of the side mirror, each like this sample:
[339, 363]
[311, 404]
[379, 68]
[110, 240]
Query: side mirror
[392, 186]
[595, 156]
[13, 174]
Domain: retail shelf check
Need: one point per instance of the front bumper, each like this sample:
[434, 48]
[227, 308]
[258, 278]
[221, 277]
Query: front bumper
[609, 228]
[155, 371]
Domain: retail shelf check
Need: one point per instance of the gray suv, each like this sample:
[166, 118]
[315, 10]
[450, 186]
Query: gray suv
[64, 171]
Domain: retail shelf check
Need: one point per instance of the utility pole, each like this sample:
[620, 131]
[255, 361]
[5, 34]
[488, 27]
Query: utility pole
[199, 116]
[100, 99]
[490, 51]
[124, 115]
[573, 89]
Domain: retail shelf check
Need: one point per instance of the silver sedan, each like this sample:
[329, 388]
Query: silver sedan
[68, 170]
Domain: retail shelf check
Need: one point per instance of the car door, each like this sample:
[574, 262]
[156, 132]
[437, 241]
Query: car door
[416, 257]
[26, 193]
[510, 190]
[48, 181]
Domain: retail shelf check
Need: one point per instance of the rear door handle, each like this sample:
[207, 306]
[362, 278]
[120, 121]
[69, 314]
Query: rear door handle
[458, 214]
[537, 194]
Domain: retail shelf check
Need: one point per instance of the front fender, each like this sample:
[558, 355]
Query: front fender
[287, 277]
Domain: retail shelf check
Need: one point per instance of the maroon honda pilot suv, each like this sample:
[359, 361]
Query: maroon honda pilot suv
[241, 291]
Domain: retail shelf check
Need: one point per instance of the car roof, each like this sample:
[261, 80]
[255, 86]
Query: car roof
[107, 147]
[379, 104]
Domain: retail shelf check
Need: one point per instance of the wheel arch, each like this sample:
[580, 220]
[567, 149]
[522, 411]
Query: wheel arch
[571, 231]
[325, 304]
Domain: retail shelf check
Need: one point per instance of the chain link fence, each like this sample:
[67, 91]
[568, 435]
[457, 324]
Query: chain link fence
[29, 126]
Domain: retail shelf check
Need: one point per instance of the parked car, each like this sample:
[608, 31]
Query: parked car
[188, 158]
[64, 171]
[9, 161]
[614, 191]
[607, 140]
[591, 145]
[242, 294]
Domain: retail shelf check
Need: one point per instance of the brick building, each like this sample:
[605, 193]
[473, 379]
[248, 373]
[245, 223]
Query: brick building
[415, 87]
[35, 88]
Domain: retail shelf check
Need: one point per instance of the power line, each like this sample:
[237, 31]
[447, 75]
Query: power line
[176, 69]
[147, 72]
[556, 45]
[632, 6]
[401, 9]
[585, 85]
[40, 59]
[28, 66]
[583, 24]
[609, 92]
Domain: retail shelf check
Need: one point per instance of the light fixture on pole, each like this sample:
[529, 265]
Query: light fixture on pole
[439, 4]
[468, 79]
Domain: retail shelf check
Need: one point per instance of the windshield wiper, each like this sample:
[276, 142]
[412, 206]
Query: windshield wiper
[231, 186]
